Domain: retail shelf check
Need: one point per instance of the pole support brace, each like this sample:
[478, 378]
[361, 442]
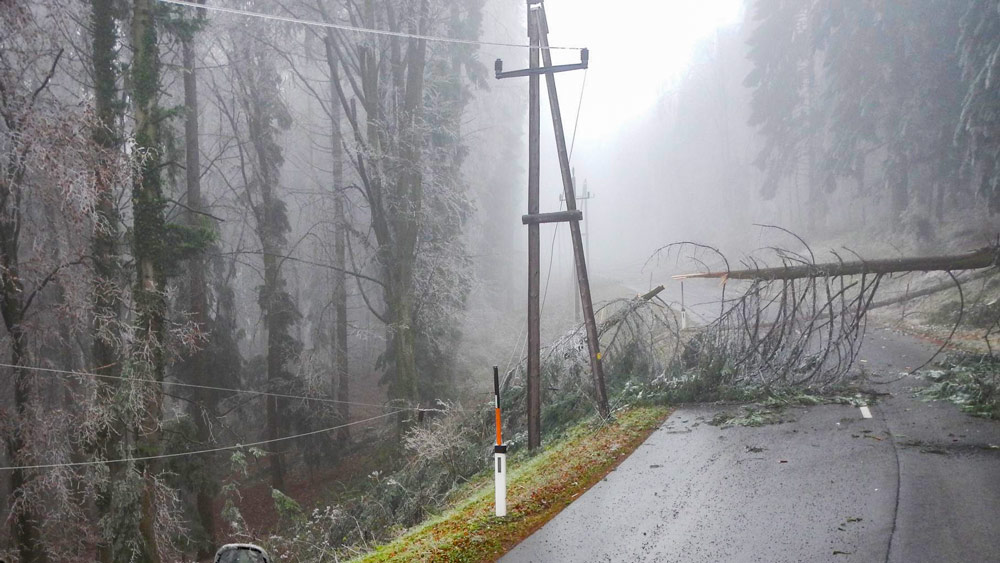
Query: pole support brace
[554, 217]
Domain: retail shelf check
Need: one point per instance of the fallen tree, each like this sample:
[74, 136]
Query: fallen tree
[802, 323]
[982, 258]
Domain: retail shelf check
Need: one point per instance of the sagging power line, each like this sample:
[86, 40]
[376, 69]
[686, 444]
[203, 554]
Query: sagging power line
[69, 373]
[197, 452]
[343, 27]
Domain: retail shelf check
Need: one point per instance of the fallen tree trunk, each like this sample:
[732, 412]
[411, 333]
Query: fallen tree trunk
[628, 309]
[982, 258]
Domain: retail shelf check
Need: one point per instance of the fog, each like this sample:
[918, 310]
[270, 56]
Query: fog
[318, 202]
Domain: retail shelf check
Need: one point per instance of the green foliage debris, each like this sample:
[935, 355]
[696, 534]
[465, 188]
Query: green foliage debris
[969, 381]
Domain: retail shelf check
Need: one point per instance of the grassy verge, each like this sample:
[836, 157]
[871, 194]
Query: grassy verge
[538, 489]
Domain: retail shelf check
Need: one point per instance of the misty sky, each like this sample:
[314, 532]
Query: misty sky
[635, 52]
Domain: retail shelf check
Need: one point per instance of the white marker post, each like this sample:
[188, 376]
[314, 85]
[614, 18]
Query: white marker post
[499, 453]
[684, 313]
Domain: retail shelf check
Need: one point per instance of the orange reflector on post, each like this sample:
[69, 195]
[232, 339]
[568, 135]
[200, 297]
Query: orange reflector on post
[499, 435]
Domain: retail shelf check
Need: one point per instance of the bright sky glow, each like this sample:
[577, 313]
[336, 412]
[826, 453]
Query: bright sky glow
[637, 49]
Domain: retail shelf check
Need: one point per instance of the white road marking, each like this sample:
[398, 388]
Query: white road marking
[865, 413]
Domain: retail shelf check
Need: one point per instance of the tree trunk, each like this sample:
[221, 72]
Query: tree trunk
[901, 185]
[149, 230]
[816, 200]
[403, 385]
[899, 165]
[341, 376]
[104, 248]
[275, 363]
[859, 179]
[205, 405]
[24, 531]
[407, 222]
[262, 108]
[982, 258]
[940, 189]
[271, 303]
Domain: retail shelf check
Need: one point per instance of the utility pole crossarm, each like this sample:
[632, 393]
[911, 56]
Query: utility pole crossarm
[547, 69]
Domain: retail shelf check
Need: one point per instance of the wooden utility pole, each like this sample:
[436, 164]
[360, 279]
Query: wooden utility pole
[538, 45]
[534, 241]
[593, 344]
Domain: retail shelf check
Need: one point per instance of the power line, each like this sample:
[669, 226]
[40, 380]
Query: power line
[300, 260]
[61, 372]
[197, 452]
[343, 27]
[579, 106]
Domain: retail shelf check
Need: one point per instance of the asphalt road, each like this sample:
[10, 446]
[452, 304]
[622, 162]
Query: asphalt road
[916, 482]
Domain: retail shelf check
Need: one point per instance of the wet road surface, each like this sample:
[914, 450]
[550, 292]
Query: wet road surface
[916, 482]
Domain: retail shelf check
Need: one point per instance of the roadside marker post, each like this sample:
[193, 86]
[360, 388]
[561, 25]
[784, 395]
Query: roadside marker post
[684, 313]
[499, 453]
